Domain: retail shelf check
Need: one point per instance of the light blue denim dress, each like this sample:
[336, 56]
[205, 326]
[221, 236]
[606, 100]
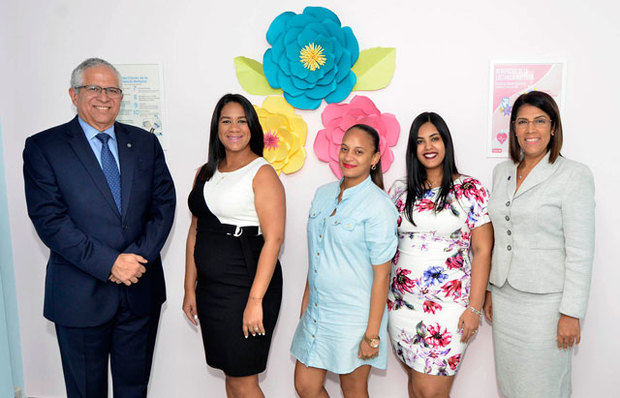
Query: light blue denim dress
[342, 250]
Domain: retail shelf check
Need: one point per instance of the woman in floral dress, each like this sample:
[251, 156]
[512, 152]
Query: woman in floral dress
[440, 271]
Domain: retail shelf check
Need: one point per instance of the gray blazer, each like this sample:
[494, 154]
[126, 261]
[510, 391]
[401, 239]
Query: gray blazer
[544, 233]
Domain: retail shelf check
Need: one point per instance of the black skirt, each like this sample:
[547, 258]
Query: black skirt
[226, 260]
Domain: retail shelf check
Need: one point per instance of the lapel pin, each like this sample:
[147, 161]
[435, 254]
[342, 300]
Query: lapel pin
[128, 145]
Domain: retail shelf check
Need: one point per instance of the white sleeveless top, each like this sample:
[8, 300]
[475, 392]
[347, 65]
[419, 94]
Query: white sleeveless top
[230, 197]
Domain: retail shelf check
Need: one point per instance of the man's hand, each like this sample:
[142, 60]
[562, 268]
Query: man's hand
[127, 268]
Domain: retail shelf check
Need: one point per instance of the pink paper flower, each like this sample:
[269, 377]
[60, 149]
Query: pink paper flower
[337, 118]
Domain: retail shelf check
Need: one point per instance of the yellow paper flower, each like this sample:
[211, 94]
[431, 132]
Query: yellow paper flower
[284, 134]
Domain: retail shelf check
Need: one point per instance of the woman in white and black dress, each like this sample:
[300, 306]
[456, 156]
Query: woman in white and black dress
[233, 279]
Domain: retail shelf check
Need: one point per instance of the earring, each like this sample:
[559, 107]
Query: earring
[374, 166]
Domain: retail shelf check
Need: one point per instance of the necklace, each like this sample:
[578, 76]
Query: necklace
[222, 174]
[220, 177]
[431, 185]
[523, 173]
[525, 170]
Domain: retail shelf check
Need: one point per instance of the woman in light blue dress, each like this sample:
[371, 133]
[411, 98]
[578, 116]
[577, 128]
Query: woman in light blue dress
[351, 241]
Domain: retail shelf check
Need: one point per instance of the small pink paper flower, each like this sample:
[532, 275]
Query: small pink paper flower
[337, 118]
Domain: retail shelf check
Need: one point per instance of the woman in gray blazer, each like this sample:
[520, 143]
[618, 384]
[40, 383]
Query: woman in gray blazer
[542, 210]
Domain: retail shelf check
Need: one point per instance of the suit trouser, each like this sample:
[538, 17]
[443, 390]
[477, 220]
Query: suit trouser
[127, 341]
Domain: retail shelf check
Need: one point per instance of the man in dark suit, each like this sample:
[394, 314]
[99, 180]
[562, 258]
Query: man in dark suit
[101, 198]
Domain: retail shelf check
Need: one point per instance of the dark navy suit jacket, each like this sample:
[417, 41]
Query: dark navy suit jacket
[73, 211]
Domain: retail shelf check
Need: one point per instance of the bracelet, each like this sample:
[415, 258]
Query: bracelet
[475, 311]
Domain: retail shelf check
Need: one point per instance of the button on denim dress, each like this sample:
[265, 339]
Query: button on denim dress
[342, 250]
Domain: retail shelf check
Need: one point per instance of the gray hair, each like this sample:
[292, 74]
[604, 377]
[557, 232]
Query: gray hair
[77, 76]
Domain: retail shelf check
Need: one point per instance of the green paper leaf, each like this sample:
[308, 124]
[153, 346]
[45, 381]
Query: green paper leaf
[252, 78]
[374, 68]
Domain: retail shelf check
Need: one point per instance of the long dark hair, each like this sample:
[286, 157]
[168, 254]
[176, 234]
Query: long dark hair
[217, 151]
[416, 173]
[545, 103]
[376, 174]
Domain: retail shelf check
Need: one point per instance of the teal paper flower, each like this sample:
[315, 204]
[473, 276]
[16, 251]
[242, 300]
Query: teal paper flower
[310, 58]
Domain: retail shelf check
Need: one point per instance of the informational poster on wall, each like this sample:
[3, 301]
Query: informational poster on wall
[508, 81]
[142, 104]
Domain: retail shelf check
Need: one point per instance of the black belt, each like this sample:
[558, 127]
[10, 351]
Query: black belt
[237, 231]
[243, 234]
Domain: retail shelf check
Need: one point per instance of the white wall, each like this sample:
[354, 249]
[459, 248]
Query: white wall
[443, 57]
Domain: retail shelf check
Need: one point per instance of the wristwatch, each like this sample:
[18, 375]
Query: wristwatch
[372, 342]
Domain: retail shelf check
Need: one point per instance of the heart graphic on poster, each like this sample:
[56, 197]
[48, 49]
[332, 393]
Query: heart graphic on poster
[501, 137]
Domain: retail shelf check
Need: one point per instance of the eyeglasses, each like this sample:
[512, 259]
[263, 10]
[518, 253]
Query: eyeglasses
[112, 92]
[539, 123]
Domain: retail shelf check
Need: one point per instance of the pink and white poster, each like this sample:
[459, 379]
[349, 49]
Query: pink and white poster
[508, 81]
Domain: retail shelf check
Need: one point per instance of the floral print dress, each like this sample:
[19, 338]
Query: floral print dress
[431, 275]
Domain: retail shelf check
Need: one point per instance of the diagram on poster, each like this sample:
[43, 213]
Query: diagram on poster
[143, 98]
[508, 81]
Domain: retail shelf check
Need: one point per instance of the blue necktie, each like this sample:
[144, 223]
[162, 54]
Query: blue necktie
[110, 169]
